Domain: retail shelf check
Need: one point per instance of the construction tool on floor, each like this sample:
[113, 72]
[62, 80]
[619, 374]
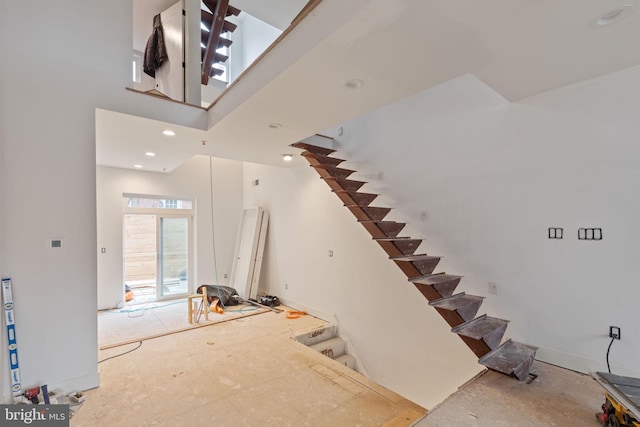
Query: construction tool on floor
[622, 400]
[270, 300]
[238, 298]
[7, 296]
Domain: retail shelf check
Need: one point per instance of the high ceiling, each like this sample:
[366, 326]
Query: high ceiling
[519, 48]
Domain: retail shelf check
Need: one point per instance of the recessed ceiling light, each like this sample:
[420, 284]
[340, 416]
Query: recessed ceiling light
[137, 166]
[353, 84]
[150, 154]
[275, 125]
[287, 157]
[168, 132]
[612, 16]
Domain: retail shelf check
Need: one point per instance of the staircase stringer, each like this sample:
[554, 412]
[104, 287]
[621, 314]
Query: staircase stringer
[483, 334]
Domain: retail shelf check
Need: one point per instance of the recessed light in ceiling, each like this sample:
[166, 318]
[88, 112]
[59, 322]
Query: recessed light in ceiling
[168, 132]
[353, 84]
[137, 166]
[275, 125]
[612, 16]
[287, 157]
[150, 154]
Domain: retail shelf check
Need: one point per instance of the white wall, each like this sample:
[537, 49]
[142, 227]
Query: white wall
[60, 69]
[192, 181]
[480, 180]
[250, 40]
[403, 344]
[493, 176]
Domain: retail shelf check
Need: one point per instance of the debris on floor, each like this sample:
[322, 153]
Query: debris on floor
[41, 396]
[294, 314]
[128, 293]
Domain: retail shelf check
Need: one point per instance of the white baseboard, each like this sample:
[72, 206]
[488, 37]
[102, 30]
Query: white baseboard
[579, 363]
[311, 310]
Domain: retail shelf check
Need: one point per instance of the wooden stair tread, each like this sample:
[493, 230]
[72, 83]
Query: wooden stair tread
[415, 265]
[356, 200]
[316, 159]
[392, 239]
[340, 179]
[479, 327]
[512, 358]
[365, 212]
[357, 192]
[457, 309]
[339, 184]
[433, 279]
[204, 37]
[218, 57]
[228, 27]
[224, 42]
[313, 148]
[373, 213]
[378, 221]
[436, 286]
[331, 170]
[216, 71]
[455, 301]
[412, 258]
[382, 229]
[232, 11]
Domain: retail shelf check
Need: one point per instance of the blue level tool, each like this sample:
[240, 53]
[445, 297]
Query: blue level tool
[16, 386]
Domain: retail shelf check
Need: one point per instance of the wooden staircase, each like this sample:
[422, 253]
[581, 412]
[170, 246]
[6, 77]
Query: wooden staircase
[211, 38]
[483, 334]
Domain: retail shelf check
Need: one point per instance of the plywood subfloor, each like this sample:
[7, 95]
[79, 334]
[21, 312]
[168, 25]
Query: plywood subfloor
[247, 372]
[557, 398]
[139, 321]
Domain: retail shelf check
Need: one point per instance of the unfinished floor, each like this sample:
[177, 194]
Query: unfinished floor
[250, 372]
[556, 398]
[246, 372]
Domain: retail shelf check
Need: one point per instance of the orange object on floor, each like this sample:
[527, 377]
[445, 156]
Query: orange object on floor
[294, 314]
[128, 296]
[215, 306]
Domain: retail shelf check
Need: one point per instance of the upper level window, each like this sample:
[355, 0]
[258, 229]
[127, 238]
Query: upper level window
[151, 202]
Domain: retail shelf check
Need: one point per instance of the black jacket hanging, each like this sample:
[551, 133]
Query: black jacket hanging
[155, 53]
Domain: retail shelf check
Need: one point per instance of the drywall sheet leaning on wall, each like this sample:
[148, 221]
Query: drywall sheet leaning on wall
[247, 261]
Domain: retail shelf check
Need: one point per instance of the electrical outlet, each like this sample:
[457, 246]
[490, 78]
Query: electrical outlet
[614, 332]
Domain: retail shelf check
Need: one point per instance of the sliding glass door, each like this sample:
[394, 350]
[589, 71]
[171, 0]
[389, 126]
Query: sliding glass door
[157, 247]
[173, 256]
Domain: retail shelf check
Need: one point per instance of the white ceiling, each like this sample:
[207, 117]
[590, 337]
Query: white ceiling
[518, 48]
